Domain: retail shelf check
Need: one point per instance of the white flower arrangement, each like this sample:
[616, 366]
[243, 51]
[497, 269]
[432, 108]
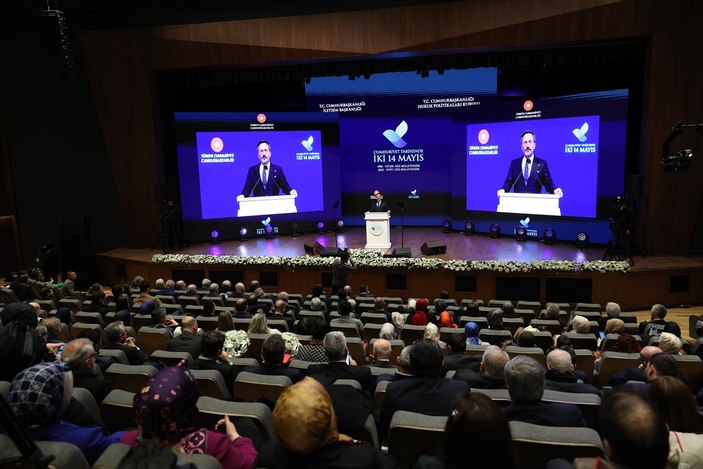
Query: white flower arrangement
[292, 343]
[236, 343]
[374, 258]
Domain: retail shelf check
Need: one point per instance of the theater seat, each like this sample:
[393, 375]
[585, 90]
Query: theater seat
[412, 435]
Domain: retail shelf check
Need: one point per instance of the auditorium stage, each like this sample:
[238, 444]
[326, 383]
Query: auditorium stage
[672, 280]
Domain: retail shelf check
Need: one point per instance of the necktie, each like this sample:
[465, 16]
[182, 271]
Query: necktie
[265, 178]
[378, 204]
[526, 172]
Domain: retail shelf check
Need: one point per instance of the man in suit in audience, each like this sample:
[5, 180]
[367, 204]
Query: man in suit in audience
[426, 392]
[344, 318]
[660, 364]
[272, 352]
[457, 359]
[656, 317]
[240, 309]
[634, 433]
[335, 347]
[635, 373]
[279, 312]
[404, 371]
[561, 375]
[80, 355]
[381, 354]
[189, 340]
[525, 379]
[213, 357]
[491, 370]
[116, 336]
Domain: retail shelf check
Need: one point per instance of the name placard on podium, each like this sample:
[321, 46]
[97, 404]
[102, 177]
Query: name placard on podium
[533, 204]
[378, 233]
[270, 205]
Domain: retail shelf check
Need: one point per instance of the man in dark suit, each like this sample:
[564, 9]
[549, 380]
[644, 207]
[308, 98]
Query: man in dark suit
[272, 351]
[240, 309]
[335, 347]
[80, 356]
[490, 374]
[265, 178]
[656, 317]
[117, 339]
[381, 354]
[379, 205]
[189, 340]
[425, 393]
[529, 173]
[525, 379]
[561, 375]
[212, 357]
[457, 358]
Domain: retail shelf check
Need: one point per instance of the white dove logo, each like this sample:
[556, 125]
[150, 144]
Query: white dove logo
[266, 221]
[525, 222]
[581, 133]
[308, 143]
[396, 136]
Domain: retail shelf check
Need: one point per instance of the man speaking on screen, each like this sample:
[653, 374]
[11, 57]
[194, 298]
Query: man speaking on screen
[529, 173]
[265, 178]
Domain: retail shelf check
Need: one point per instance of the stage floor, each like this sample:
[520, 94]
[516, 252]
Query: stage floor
[459, 246]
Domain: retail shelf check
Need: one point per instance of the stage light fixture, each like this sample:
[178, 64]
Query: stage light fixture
[469, 228]
[340, 226]
[494, 230]
[321, 227]
[243, 234]
[446, 226]
[268, 232]
[549, 236]
[520, 233]
[581, 239]
[294, 230]
[214, 237]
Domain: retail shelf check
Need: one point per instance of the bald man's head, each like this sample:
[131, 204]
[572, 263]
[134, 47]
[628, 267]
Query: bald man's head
[382, 349]
[559, 360]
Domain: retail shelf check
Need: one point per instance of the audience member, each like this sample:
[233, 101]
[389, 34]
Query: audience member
[38, 397]
[404, 369]
[656, 317]
[117, 339]
[166, 410]
[387, 332]
[313, 351]
[340, 365]
[20, 345]
[525, 380]
[420, 317]
[213, 357]
[490, 374]
[561, 374]
[240, 309]
[272, 353]
[581, 325]
[80, 356]
[305, 422]
[345, 317]
[635, 373]
[669, 343]
[425, 392]
[381, 354]
[495, 319]
[615, 326]
[259, 325]
[456, 359]
[225, 322]
[189, 340]
[471, 333]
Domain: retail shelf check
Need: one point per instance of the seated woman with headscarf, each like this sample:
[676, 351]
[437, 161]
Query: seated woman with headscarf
[38, 397]
[165, 410]
[495, 320]
[305, 423]
[420, 318]
[471, 333]
[445, 320]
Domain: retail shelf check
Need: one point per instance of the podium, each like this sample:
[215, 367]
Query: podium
[270, 205]
[378, 233]
[532, 204]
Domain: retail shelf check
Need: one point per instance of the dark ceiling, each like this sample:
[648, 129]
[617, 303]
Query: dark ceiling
[102, 14]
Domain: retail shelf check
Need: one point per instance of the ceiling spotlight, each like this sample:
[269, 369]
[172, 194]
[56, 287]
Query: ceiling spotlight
[242, 234]
[549, 236]
[469, 228]
[446, 226]
[494, 230]
[520, 233]
[321, 227]
[581, 239]
[214, 237]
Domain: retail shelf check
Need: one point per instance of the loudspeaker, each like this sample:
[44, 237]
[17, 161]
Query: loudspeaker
[402, 252]
[430, 248]
[318, 248]
[331, 252]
